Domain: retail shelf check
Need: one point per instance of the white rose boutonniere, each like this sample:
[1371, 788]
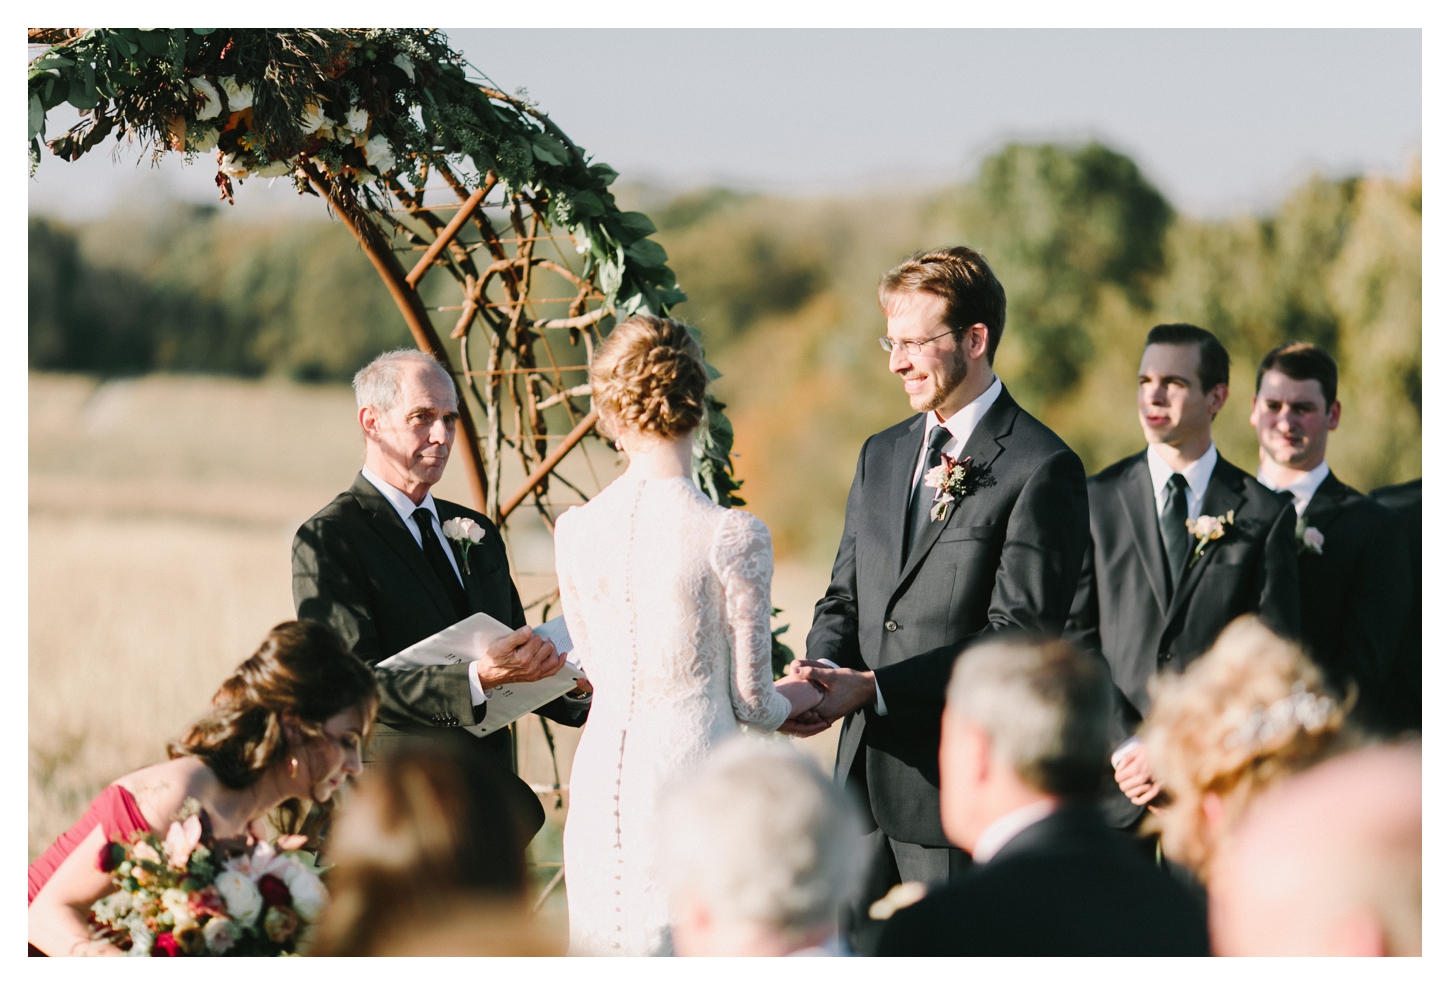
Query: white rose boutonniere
[465, 533]
[1208, 528]
[1309, 539]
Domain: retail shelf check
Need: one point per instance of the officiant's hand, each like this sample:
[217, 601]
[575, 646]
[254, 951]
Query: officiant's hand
[846, 690]
[518, 658]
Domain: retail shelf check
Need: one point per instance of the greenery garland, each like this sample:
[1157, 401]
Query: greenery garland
[363, 107]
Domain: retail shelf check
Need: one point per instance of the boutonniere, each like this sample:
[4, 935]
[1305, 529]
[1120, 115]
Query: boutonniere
[465, 533]
[953, 479]
[1310, 539]
[1207, 528]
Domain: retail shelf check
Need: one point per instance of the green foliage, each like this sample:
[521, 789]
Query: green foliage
[1091, 256]
[187, 291]
[1059, 224]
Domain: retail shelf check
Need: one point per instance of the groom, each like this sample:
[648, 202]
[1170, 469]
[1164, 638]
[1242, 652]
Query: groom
[925, 569]
[376, 566]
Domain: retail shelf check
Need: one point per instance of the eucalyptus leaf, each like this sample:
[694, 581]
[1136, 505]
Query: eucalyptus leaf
[154, 41]
[647, 253]
[634, 225]
[82, 93]
[588, 203]
[36, 117]
[549, 150]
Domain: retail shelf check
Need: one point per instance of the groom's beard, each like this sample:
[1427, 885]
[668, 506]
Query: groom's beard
[956, 373]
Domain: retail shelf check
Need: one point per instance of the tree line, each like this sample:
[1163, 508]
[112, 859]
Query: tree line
[1091, 255]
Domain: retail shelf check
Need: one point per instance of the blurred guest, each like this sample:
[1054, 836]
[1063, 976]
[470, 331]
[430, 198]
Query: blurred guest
[428, 859]
[1024, 746]
[1250, 712]
[1328, 863]
[1182, 542]
[759, 851]
[287, 727]
[1355, 584]
[1400, 708]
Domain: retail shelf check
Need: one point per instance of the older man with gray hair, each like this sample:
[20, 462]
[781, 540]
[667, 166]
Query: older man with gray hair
[375, 565]
[760, 851]
[1024, 739]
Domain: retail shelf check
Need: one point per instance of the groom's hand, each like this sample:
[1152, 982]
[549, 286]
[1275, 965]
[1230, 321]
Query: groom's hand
[846, 690]
[518, 658]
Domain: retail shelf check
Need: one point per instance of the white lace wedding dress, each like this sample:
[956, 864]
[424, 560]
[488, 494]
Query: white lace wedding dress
[667, 600]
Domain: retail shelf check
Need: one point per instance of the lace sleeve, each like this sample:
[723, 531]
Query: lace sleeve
[741, 557]
[568, 592]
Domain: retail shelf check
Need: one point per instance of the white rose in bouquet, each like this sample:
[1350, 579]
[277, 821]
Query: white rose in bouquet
[221, 935]
[244, 902]
[379, 153]
[309, 895]
[356, 119]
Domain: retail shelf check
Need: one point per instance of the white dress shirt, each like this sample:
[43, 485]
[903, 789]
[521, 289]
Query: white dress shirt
[1197, 475]
[1009, 826]
[1303, 488]
[405, 508]
[961, 425]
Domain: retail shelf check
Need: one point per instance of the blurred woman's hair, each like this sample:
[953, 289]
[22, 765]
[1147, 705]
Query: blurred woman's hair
[649, 376]
[304, 670]
[427, 835]
[1250, 712]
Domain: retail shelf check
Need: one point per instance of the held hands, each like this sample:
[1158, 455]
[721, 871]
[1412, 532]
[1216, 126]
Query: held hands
[1135, 775]
[518, 658]
[844, 692]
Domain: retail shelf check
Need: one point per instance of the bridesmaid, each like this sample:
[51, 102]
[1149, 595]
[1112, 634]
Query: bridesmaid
[287, 726]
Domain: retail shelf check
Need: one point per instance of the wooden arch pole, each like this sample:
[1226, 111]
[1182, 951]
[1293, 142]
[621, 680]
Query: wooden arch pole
[416, 316]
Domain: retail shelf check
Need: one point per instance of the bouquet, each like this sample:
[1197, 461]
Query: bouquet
[194, 895]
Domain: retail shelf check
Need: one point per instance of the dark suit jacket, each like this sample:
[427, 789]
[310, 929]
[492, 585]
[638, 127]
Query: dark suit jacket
[356, 567]
[1123, 611]
[1066, 886]
[1005, 557]
[1400, 706]
[1355, 597]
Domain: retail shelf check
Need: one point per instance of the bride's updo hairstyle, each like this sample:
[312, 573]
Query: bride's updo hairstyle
[649, 376]
[302, 667]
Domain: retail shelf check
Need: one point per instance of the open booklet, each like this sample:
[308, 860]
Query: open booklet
[466, 640]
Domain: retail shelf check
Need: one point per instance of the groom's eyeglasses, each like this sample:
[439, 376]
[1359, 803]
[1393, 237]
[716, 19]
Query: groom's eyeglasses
[912, 346]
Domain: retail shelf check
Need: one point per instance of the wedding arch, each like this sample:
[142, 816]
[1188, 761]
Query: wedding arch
[431, 167]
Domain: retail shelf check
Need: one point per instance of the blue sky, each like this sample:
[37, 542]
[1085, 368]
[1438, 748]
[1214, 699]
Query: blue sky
[1221, 120]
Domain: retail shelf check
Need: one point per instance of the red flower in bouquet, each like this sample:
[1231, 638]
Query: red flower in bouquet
[166, 946]
[112, 855]
[274, 891]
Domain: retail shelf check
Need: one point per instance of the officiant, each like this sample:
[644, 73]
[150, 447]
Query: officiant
[378, 565]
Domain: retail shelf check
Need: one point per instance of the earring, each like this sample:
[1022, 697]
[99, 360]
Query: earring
[293, 771]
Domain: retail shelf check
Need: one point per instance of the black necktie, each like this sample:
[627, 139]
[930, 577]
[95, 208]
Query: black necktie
[924, 494]
[433, 550]
[1173, 525]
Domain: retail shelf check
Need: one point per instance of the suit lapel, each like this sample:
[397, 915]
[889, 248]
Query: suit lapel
[898, 490]
[1135, 494]
[983, 448]
[390, 528]
[1327, 501]
[1221, 496]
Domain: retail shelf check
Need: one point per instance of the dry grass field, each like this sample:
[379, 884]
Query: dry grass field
[161, 518]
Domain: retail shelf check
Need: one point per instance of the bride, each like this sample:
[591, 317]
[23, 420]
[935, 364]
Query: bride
[667, 600]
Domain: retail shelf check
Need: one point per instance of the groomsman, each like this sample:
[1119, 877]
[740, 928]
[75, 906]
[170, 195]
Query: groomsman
[1354, 574]
[1154, 594]
[1403, 692]
[926, 567]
